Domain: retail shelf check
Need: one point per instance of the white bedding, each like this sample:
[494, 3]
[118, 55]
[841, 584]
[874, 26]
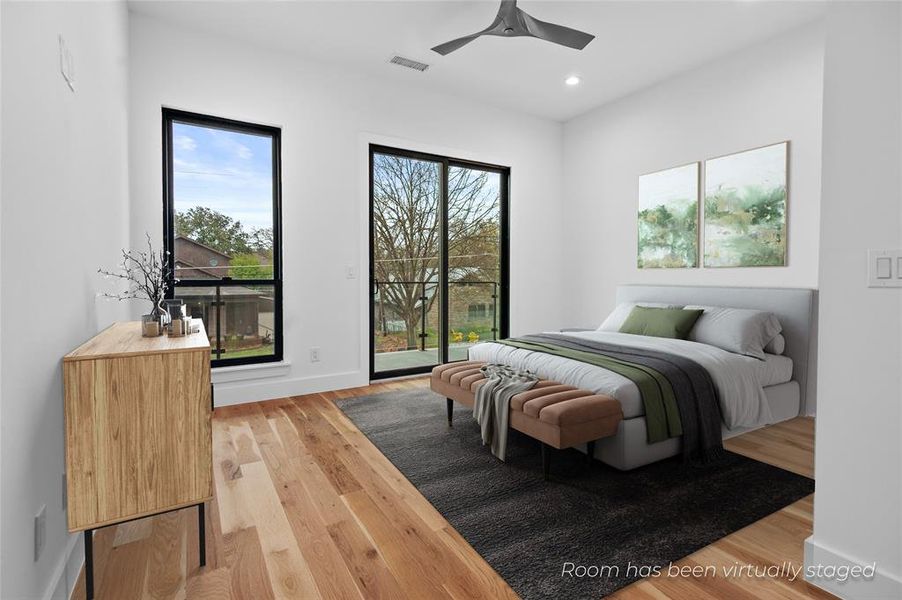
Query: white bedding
[774, 369]
[739, 379]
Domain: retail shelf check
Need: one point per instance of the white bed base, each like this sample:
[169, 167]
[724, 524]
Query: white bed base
[629, 448]
[797, 311]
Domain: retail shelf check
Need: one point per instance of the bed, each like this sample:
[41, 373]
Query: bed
[753, 393]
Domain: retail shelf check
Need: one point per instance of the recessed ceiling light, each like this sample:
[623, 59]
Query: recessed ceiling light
[572, 80]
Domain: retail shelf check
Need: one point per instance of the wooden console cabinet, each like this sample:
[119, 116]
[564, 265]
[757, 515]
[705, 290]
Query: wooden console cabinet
[138, 427]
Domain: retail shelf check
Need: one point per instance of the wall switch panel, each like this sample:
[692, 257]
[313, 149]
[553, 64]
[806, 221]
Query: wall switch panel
[884, 268]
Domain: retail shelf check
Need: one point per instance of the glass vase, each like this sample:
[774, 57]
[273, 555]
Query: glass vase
[151, 325]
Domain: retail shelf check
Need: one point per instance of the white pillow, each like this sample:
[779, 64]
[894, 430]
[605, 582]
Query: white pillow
[740, 330]
[776, 345]
[618, 315]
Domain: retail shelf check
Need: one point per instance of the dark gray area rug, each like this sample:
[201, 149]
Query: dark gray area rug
[527, 528]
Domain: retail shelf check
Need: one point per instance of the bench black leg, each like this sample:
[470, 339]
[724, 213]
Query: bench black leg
[590, 452]
[546, 460]
[450, 406]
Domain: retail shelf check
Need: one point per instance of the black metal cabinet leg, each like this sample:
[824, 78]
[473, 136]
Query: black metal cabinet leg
[590, 452]
[202, 534]
[89, 545]
[450, 407]
[546, 460]
[89, 564]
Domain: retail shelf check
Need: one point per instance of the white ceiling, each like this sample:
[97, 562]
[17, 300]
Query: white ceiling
[637, 43]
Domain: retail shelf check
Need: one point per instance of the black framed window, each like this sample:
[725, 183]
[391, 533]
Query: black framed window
[221, 224]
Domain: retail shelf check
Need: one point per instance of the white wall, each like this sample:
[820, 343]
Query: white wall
[765, 94]
[1, 292]
[327, 116]
[858, 505]
[64, 213]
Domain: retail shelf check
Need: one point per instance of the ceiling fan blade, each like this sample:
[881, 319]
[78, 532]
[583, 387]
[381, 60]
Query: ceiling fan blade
[565, 36]
[449, 47]
[508, 11]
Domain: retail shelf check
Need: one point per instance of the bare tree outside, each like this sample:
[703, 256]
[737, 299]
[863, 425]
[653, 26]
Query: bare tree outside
[407, 235]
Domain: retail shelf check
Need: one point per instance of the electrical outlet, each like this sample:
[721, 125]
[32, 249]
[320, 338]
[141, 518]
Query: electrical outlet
[40, 532]
[314, 354]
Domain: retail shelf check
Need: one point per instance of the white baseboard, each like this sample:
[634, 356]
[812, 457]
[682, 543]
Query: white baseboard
[881, 586]
[230, 393]
[241, 373]
[62, 583]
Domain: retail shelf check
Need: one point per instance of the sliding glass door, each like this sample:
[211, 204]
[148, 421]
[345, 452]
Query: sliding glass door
[406, 229]
[474, 257]
[438, 259]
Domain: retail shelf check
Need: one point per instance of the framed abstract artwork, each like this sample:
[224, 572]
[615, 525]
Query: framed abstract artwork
[745, 208]
[668, 218]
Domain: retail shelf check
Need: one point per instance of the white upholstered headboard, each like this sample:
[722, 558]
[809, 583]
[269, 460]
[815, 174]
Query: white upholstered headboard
[795, 307]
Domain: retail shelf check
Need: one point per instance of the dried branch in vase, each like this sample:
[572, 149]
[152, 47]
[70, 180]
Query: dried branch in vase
[145, 272]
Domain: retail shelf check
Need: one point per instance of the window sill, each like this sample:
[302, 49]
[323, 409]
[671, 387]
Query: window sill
[249, 372]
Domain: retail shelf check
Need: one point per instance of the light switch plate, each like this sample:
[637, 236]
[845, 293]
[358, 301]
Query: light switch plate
[884, 268]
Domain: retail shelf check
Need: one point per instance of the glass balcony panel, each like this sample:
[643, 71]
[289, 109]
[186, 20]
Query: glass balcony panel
[406, 325]
[239, 319]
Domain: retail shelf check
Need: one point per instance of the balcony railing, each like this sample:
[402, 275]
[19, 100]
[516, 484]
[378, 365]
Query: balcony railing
[239, 317]
[406, 314]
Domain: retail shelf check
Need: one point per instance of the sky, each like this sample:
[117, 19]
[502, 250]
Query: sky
[227, 171]
[489, 193]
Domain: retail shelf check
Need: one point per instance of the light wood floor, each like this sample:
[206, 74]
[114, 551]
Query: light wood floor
[306, 507]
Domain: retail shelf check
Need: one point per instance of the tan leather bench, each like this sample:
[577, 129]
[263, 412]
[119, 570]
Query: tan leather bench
[560, 416]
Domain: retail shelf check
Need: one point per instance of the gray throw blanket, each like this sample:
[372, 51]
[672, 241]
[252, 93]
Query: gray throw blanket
[692, 387]
[492, 404]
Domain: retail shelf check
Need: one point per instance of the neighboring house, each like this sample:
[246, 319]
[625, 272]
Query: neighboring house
[194, 260]
[243, 314]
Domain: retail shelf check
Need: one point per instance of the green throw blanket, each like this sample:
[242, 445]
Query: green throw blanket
[662, 415]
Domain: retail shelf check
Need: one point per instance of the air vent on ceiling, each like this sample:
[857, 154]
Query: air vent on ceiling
[410, 64]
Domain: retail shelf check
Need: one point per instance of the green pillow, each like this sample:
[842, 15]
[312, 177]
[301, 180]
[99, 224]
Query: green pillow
[661, 322]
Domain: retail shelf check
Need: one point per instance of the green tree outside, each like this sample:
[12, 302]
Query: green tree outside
[214, 229]
[249, 266]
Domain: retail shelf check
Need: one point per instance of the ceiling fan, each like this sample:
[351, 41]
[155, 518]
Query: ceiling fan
[514, 22]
